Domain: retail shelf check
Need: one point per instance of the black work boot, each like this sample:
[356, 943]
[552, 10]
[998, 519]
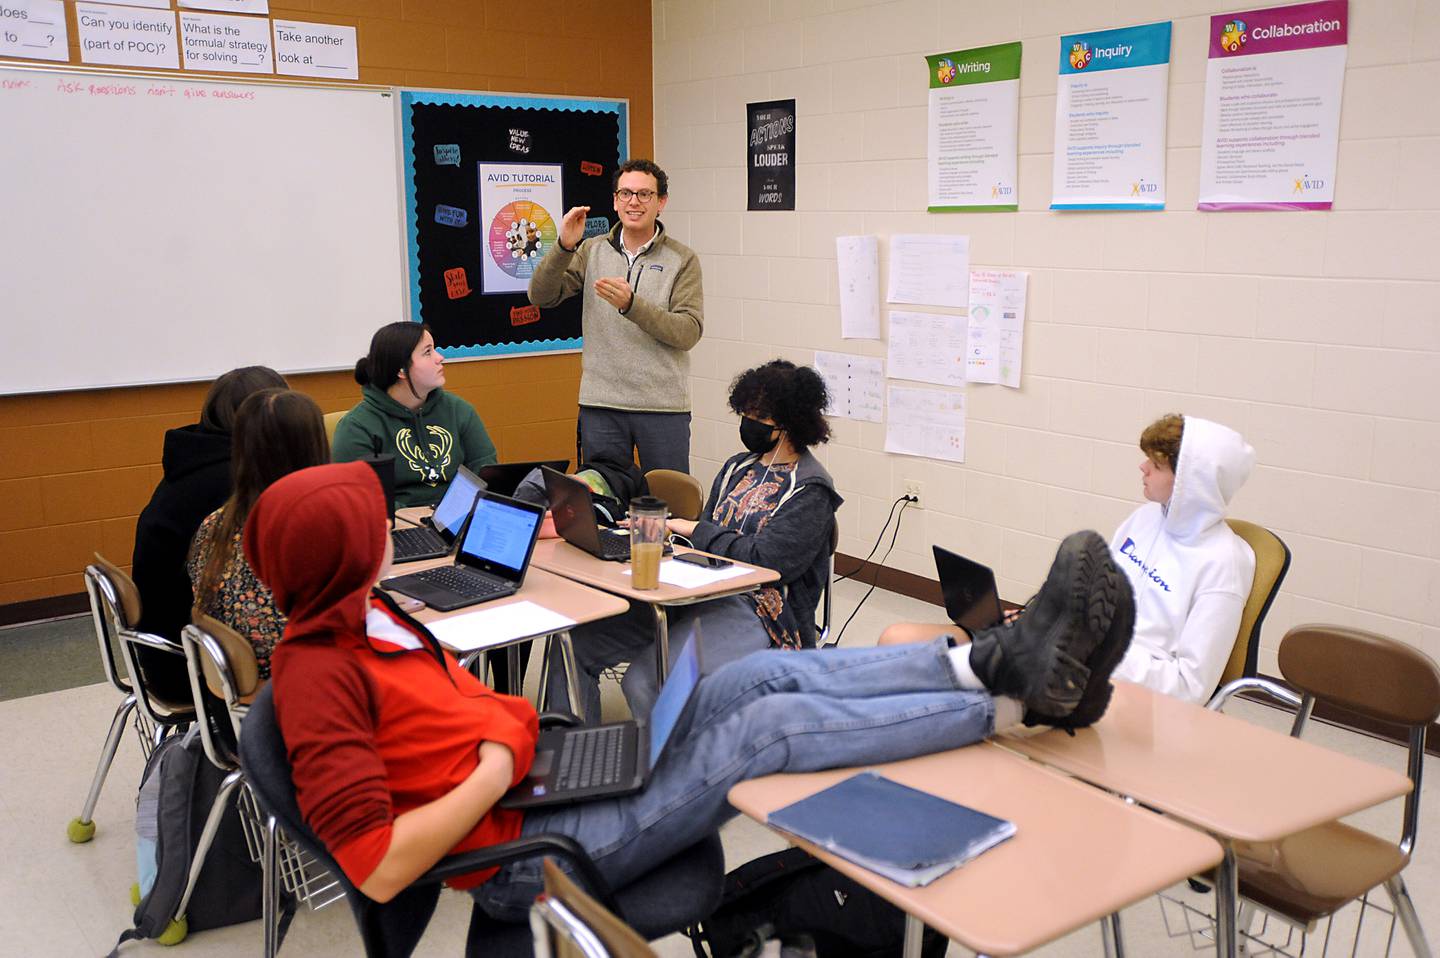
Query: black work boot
[1042, 658]
[1102, 663]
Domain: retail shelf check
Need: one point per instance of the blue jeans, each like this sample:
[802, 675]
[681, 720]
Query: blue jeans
[768, 712]
[661, 438]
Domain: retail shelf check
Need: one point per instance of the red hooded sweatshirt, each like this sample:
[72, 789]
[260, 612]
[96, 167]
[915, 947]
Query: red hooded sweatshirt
[373, 730]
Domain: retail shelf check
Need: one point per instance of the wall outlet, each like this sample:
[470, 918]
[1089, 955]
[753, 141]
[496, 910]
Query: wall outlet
[916, 489]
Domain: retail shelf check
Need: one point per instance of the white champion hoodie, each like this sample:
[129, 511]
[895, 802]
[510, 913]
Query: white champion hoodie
[1191, 574]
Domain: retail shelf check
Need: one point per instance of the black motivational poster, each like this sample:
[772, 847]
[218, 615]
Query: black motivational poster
[771, 148]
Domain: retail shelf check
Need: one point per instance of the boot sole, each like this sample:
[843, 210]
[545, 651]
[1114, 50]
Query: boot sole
[1103, 663]
[1093, 594]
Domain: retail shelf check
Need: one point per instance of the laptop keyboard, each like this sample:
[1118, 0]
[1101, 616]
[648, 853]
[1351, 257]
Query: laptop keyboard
[614, 546]
[591, 758]
[464, 583]
[414, 541]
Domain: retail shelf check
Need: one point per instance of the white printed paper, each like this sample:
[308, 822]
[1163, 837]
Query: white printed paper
[521, 205]
[927, 347]
[855, 385]
[997, 326]
[127, 36]
[34, 29]
[685, 575]
[926, 422]
[152, 4]
[316, 50]
[930, 270]
[229, 6]
[225, 44]
[497, 625]
[858, 261]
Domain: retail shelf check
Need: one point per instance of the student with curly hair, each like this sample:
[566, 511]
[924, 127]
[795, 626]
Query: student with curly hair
[772, 505]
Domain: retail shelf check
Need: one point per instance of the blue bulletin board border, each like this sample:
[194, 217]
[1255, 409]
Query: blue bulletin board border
[412, 98]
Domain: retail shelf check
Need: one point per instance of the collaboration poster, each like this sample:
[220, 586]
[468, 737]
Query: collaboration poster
[1272, 108]
[974, 129]
[520, 213]
[1110, 120]
[771, 152]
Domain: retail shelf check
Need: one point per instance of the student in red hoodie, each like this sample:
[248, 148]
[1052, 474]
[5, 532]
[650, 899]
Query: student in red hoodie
[399, 756]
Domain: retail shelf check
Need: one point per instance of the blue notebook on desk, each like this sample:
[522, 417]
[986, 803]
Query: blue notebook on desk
[909, 836]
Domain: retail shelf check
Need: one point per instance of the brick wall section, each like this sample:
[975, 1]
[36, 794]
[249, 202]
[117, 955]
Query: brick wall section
[78, 467]
[1316, 334]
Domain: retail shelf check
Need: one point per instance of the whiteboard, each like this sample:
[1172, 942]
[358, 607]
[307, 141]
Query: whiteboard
[166, 229]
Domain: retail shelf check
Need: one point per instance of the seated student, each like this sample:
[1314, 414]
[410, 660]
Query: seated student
[277, 431]
[404, 412]
[772, 505]
[196, 464]
[1190, 573]
[399, 757]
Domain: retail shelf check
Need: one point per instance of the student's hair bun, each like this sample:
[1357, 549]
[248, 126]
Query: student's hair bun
[362, 370]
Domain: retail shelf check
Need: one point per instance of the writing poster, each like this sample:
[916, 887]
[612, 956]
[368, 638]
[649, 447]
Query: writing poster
[225, 44]
[974, 122]
[316, 50]
[770, 151]
[34, 29]
[1272, 108]
[127, 36]
[520, 213]
[1110, 109]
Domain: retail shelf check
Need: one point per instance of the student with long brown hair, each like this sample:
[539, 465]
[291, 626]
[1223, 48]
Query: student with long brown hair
[277, 431]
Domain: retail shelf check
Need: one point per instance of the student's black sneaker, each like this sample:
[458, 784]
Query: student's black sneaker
[1042, 657]
[1102, 663]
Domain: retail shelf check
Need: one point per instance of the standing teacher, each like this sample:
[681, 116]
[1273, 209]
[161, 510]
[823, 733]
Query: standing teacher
[643, 311]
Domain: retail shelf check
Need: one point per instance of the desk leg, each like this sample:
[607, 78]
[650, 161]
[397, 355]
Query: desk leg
[1110, 937]
[572, 673]
[270, 887]
[914, 936]
[662, 644]
[515, 682]
[1227, 899]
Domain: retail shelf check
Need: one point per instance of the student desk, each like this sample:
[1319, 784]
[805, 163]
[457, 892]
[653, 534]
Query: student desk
[1077, 856]
[1235, 780]
[560, 557]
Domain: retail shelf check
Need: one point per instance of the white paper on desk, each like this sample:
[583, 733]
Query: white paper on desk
[927, 347]
[930, 269]
[684, 575]
[997, 326]
[926, 422]
[855, 384]
[858, 261]
[487, 628]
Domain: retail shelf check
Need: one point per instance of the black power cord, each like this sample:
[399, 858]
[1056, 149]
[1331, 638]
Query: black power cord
[886, 526]
[902, 502]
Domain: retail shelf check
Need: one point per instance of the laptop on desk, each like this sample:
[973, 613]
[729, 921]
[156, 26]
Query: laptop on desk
[573, 506]
[971, 599]
[505, 477]
[491, 563]
[584, 763]
[436, 535]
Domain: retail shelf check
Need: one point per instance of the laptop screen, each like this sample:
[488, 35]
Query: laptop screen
[971, 600]
[501, 534]
[684, 676]
[455, 506]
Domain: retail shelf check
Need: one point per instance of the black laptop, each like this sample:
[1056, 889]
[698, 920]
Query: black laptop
[971, 599]
[583, 763]
[505, 477]
[573, 506]
[494, 554]
[436, 535]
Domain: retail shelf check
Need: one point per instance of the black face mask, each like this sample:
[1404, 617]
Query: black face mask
[756, 435]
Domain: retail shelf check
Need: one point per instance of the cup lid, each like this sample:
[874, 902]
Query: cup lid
[647, 502]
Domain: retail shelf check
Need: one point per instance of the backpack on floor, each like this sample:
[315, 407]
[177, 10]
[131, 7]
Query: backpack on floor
[177, 789]
[790, 896]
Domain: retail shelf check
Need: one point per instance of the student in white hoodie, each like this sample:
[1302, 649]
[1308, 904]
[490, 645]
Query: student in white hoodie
[1190, 573]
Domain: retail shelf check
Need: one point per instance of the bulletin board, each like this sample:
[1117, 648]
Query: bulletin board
[488, 179]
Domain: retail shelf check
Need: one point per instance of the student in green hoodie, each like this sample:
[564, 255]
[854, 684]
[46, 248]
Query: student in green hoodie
[405, 412]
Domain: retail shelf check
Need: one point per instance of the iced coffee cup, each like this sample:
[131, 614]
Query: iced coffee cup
[647, 541]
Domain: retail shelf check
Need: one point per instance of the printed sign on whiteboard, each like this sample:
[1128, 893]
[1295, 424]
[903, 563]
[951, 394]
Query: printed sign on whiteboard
[225, 44]
[229, 6]
[316, 50]
[127, 36]
[34, 29]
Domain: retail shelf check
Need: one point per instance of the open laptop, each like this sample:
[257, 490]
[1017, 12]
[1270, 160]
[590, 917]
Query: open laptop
[494, 554]
[971, 599]
[583, 763]
[573, 506]
[505, 477]
[436, 536]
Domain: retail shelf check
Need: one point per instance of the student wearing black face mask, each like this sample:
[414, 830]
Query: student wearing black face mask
[772, 505]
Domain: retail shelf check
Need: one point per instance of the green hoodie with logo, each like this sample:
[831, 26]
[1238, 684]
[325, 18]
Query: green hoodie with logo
[453, 436]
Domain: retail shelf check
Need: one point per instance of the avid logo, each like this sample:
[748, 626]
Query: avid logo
[1232, 36]
[1128, 551]
[1000, 189]
[1142, 188]
[1308, 183]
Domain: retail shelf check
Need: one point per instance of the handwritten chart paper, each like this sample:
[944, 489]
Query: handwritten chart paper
[225, 44]
[928, 347]
[855, 384]
[930, 270]
[926, 422]
[316, 50]
[997, 326]
[34, 29]
[858, 260]
[127, 36]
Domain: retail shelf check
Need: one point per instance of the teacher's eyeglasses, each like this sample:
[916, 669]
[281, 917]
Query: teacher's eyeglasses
[625, 196]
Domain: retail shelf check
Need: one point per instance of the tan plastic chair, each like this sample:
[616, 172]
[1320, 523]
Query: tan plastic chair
[1272, 562]
[1314, 873]
[332, 419]
[567, 923]
[680, 490]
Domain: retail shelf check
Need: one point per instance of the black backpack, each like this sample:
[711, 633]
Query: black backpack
[177, 789]
[790, 894]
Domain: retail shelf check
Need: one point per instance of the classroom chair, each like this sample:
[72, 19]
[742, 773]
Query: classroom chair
[680, 892]
[332, 419]
[1311, 875]
[681, 492]
[153, 684]
[1272, 562]
[822, 632]
[567, 923]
